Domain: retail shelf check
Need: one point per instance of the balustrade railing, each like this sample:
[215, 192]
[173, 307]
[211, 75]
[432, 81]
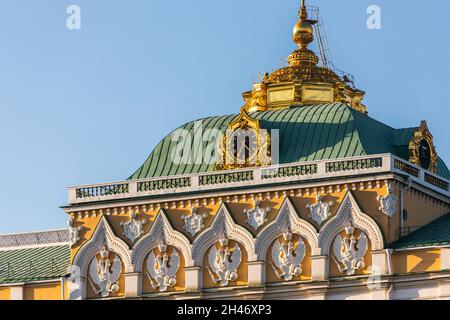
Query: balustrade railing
[406, 168]
[295, 172]
[292, 171]
[351, 165]
[164, 184]
[100, 191]
[437, 182]
[223, 178]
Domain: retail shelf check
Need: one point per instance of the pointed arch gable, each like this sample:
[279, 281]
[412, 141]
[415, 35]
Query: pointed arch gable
[223, 223]
[103, 235]
[287, 217]
[161, 230]
[350, 211]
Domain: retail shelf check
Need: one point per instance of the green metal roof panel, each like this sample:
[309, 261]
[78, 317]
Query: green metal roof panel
[307, 133]
[33, 264]
[442, 169]
[402, 137]
[433, 234]
[375, 136]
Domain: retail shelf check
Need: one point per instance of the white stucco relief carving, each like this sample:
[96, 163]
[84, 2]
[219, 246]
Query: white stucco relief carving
[162, 268]
[349, 251]
[134, 228]
[388, 203]
[194, 223]
[257, 216]
[224, 262]
[320, 211]
[287, 260]
[104, 275]
[74, 232]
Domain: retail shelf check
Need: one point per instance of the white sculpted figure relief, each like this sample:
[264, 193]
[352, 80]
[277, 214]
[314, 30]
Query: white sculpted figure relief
[388, 203]
[287, 260]
[257, 216]
[74, 232]
[104, 276]
[223, 264]
[194, 223]
[162, 269]
[320, 211]
[349, 252]
[134, 228]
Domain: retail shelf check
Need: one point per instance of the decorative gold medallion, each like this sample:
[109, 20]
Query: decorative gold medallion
[244, 144]
[422, 151]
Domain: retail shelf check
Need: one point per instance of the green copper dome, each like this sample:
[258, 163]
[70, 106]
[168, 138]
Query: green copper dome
[307, 133]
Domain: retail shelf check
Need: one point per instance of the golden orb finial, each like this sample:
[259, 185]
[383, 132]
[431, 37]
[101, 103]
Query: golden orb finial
[303, 33]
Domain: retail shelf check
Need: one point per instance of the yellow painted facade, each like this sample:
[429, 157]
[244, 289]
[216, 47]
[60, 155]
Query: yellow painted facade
[43, 292]
[415, 261]
[88, 223]
[366, 194]
[5, 293]
[421, 210]
[38, 291]
[367, 199]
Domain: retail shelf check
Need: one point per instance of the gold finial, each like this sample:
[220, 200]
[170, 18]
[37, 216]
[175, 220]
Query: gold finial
[303, 30]
[303, 13]
[303, 35]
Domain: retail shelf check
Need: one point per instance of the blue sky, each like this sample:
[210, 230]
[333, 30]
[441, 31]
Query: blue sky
[89, 105]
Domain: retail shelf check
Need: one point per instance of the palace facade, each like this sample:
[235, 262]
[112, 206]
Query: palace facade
[308, 197]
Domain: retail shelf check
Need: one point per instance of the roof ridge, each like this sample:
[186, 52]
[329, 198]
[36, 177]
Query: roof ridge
[34, 238]
[35, 246]
[31, 232]
[366, 137]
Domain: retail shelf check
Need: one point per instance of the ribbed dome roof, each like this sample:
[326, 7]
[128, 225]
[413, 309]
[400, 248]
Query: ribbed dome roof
[307, 133]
